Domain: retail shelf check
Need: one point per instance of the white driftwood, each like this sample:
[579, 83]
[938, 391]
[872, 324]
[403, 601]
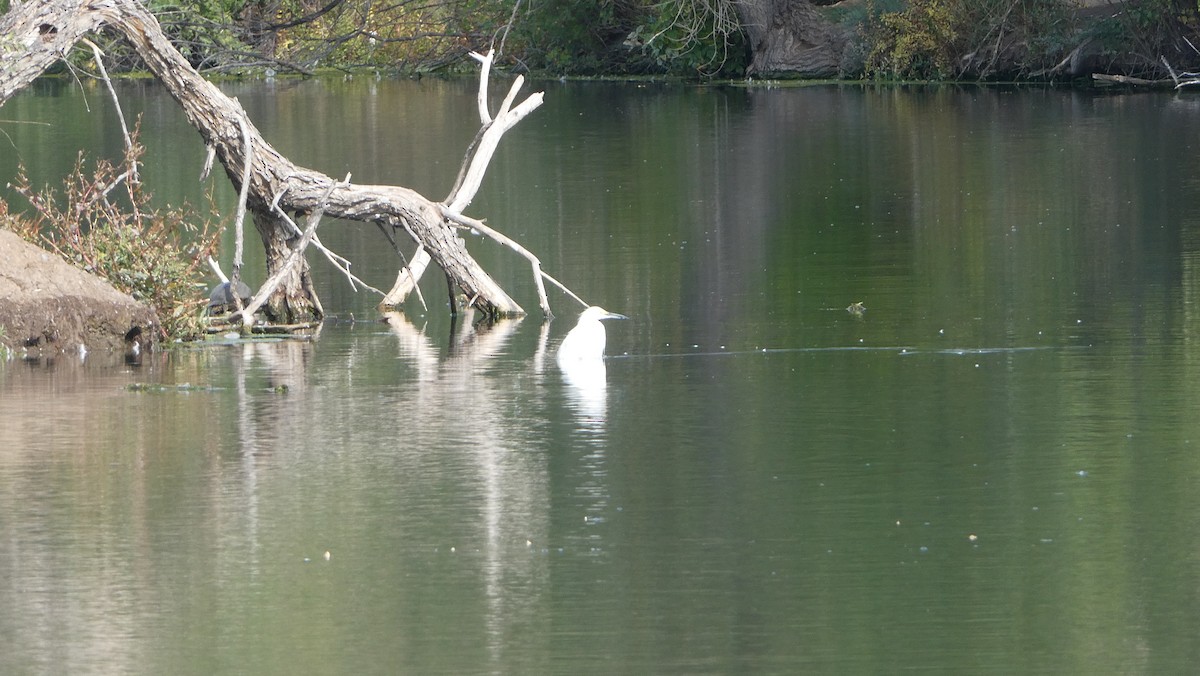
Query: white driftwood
[538, 272]
[338, 261]
[1183, 79]
[506, 118]
[216, 268]
[239, 218]
[482, 98]
[474, 167]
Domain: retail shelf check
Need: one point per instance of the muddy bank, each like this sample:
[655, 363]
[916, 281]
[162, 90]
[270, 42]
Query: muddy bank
[48, 306]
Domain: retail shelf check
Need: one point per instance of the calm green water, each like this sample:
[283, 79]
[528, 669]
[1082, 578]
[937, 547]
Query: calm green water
[992, 470]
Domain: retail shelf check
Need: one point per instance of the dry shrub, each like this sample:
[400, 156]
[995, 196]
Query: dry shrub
[986, 39]
[102, 223]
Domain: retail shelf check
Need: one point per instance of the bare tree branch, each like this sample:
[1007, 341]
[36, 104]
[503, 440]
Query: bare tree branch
[470, 178]
[271, 186]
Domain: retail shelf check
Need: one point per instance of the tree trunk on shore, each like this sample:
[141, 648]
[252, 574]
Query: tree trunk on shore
[791, 36]
[34, 35]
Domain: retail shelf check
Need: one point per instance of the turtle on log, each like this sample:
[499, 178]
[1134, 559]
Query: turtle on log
[220, 301]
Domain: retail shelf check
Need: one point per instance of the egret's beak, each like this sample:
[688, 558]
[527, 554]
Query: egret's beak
[614, 315]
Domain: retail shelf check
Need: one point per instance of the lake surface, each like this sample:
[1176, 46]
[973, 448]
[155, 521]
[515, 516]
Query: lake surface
[993, 469]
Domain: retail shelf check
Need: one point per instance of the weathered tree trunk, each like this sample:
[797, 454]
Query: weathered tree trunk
[791, 37]
[295, 297]
[35, 35]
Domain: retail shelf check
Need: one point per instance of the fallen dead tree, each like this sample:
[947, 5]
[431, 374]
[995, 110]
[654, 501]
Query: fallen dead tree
[276, 192]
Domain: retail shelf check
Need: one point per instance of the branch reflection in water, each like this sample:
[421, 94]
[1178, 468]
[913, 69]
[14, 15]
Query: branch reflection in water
[262, 431]
[513, 480]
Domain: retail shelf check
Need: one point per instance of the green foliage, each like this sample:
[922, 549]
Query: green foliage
[200, 30]
[919, 42]
[923, 39]
[946, 39]
[1150, 30]
[407, 34]
[686, 37]
[693, 37]
[569, 36]
[102, 224]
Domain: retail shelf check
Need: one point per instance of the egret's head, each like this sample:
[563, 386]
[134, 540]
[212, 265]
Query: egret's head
[596, 312]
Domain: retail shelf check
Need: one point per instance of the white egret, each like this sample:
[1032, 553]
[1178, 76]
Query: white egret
[585, 342]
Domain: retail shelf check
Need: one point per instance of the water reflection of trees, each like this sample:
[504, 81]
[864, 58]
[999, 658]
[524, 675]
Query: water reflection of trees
[511, 478]
[391, 452]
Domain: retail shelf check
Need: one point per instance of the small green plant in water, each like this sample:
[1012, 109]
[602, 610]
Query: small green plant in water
[103, 224]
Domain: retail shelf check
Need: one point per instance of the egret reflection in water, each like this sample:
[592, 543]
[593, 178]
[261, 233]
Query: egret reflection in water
[581, 359]
[586, 392]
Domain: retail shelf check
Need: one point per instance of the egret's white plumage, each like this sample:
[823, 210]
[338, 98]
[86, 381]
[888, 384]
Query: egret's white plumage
[585, 342]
